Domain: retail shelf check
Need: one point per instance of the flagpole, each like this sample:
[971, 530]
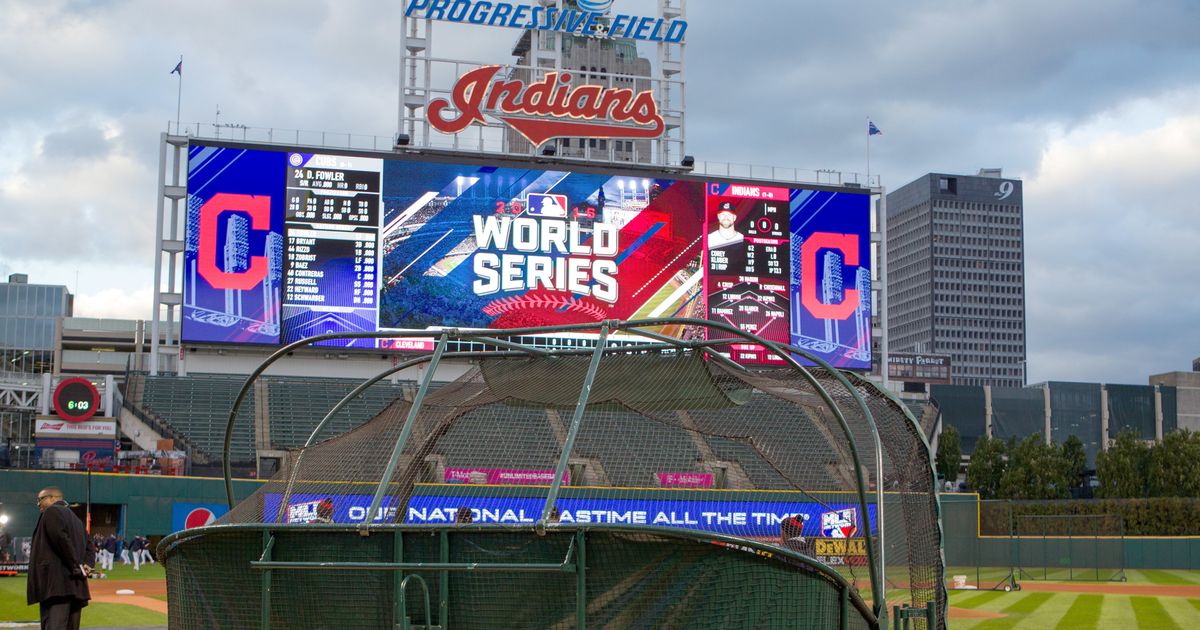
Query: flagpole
[868, 151]
[179, 95]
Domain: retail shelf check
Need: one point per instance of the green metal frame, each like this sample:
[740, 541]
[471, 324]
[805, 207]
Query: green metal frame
[574, 560]
[902, 614]
[875, 565]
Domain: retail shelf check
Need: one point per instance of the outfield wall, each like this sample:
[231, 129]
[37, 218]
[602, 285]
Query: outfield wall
[964, 547]
[135, 504]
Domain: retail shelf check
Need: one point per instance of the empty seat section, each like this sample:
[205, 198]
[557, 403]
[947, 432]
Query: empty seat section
[500, 436]
[731, 437]
[632, 450]
[296, 405]
[198, 406]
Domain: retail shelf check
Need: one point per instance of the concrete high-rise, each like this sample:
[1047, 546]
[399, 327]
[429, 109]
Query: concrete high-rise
[956, 274]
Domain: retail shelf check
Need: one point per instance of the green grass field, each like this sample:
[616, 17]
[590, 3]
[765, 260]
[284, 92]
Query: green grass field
[1067, 610]
[13, 608]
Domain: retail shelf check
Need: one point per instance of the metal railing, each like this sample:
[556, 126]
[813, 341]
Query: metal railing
[368, 142]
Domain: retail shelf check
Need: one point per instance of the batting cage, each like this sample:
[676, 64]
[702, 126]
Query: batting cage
[642, 479]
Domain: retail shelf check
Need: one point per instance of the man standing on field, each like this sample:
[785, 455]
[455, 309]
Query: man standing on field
[57, 573]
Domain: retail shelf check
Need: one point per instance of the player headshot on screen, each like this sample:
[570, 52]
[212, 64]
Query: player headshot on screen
[725, 234]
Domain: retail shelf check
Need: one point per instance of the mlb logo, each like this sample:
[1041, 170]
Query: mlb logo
[840, 523]
[302, 512]
[545, 205]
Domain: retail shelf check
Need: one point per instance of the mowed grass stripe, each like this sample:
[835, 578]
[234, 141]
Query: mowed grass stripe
[1084, 613]
[1151, 614]
[1026, 605]
[1117, 612]
[1185, 613]
[978, 599]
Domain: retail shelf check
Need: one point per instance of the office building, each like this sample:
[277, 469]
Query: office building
[956, 274]
[29, 316]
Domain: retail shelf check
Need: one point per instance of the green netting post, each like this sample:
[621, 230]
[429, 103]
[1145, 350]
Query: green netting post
[844, 596]
[400, 606]
[443, 580]
[404, 623]
[268, 544]
[372, 512]
[931, 614]
[581, 581]
[576, 421]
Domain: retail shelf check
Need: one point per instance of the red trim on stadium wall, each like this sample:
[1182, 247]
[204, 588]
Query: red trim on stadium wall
[62, 408]
[549, 108]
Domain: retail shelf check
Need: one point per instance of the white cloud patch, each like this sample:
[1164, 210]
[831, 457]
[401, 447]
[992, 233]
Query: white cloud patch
[1112, 246]
[115, 303]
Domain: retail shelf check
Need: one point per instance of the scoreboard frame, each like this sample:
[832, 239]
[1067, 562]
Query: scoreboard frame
[573, 166]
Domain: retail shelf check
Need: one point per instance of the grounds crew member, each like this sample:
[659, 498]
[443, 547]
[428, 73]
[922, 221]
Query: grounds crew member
[57, 573]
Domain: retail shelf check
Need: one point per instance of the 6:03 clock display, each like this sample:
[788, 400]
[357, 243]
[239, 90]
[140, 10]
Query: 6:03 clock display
[76, 399]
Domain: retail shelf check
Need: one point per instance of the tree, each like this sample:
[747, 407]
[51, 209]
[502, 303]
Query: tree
[1174, 466]
[1121, 470]
[1076, 457]
[949, 454]
[986, 467]
[1035, 470]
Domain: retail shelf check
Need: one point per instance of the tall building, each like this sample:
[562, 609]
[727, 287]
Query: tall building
[1187, 402]
[29, 315]
[956, 274]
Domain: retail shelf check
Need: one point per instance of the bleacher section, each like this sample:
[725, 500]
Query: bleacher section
[527, 443]
[296, 405]
[761, 416]
[633, 450]
[198, 406]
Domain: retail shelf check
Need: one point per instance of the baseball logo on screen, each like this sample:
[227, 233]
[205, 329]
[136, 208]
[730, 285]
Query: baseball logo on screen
[544, 205]
[839, 523]
[199, 517]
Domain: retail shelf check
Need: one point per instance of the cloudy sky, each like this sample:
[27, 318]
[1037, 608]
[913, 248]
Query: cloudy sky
[1095, 104]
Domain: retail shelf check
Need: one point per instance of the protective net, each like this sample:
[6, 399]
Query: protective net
[1088, 547]
[692, 493]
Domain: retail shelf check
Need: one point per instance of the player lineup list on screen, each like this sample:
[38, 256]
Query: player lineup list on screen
[283, 245]
[331, 259]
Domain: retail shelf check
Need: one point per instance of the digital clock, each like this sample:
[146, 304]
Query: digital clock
[76, 399]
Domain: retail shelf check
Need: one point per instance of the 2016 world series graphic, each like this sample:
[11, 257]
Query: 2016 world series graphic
[284, 245]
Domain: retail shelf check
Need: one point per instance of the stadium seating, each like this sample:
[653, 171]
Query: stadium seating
[656, 448]
[296, 405]
[198, 406]
[527, 442]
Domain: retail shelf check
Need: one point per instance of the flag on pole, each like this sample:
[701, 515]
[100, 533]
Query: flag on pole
[872, 130]
[178, 68]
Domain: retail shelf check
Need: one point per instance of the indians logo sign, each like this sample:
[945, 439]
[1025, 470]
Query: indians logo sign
[545, 109]
[839, 523]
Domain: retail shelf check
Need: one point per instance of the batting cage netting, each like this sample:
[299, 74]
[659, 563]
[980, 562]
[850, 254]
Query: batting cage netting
[643, 482]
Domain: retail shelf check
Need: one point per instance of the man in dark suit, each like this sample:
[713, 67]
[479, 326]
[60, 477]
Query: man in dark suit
[57, 575]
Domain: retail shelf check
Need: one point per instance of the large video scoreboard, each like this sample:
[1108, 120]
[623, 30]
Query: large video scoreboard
[283, 244]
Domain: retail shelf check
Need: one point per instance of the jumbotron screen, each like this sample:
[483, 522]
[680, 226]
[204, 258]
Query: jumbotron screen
[283, 244]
